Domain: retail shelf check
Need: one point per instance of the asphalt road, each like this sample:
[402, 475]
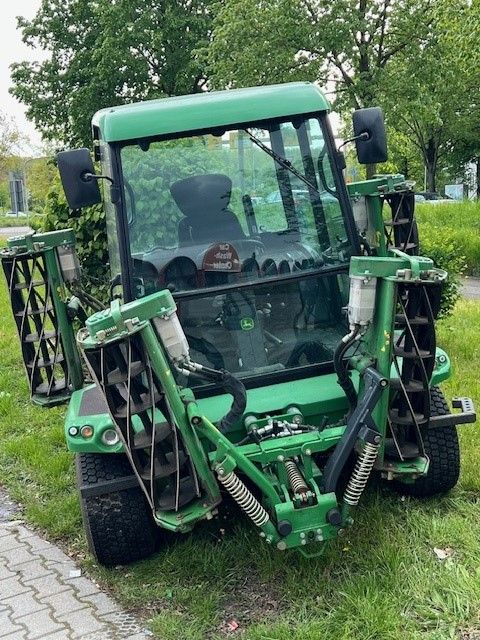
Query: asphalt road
[5, 232]
[471, 288]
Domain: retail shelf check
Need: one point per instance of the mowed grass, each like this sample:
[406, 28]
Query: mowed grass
[381, 581]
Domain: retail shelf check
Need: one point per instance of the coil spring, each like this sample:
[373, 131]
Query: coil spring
[295, 478]
[361, 473]
[245, 498]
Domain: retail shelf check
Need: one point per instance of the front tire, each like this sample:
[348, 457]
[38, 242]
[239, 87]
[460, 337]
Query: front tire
[118, 525]
[442, 448]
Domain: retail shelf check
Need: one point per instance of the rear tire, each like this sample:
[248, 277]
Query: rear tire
[118, 525]
[442, 448]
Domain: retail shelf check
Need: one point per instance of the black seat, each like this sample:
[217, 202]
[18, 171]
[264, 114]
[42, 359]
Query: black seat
[204, 201]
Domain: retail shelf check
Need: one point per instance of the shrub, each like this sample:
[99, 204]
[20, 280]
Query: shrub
[438, 244]
[90, 232]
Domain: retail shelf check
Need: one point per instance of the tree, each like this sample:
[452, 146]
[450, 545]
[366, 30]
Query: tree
[433, 96]
[343, 44]
[40, 177]
[103, 53]
[11, 141]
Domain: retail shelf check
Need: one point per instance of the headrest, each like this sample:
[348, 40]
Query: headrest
[201, 195]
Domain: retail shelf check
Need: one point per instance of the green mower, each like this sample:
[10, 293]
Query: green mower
[270, 332]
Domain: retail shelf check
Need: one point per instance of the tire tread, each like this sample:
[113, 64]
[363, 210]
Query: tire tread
[118, 525]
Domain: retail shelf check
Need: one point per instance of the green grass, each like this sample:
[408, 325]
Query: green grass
[12, 221]
[458, 223]
[381, 581]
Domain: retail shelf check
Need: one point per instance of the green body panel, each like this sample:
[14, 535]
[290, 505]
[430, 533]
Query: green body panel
[33, 241]
[208, 110]
[378, 185]
[315, 397]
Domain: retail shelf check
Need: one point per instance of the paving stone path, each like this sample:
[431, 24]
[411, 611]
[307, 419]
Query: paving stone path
[43, 594]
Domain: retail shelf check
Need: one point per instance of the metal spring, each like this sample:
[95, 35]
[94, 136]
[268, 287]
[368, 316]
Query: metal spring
[295, 478]
[245, 499]
[361, 473]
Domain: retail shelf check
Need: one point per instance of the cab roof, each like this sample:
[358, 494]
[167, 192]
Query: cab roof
[207, 110]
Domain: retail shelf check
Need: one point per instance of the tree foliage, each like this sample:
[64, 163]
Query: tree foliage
[347, 44]
[90, 232]
[103, 53]
[417, 58]
[11, 141]
[433, 92]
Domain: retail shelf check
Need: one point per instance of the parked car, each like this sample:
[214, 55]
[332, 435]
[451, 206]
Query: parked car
[433, 198]
[299, 195]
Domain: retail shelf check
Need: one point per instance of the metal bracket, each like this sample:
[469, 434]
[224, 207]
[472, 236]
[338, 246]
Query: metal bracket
[374, 385]
[467, 415]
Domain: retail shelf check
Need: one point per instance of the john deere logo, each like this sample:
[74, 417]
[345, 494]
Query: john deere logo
[247, 324]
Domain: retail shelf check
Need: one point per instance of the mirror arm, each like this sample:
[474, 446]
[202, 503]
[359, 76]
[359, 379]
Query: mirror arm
[363, 136]
[88, 177]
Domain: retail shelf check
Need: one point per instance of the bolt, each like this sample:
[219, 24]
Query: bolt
[280, 458]
[376, 439]
[262, 534]
[302, 535]
[383, 383]
[269, 539]
[297, 419]
[196, 420]
[308, 452]
[304, 541]
[341, 532]
[281, 546]
[221, 472]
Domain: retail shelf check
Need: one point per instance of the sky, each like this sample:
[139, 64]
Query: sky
[13, 50]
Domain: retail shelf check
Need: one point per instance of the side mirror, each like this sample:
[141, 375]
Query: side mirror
[78, 178]
[371, 138]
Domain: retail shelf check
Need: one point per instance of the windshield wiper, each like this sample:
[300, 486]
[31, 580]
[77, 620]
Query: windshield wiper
[283, 162]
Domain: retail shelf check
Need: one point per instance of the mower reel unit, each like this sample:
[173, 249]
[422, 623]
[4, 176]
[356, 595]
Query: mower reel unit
[270, 332]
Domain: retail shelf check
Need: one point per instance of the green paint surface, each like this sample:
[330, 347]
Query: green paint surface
[206, 110]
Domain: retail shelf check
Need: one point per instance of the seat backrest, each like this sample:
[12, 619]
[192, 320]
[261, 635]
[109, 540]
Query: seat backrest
[204, 201]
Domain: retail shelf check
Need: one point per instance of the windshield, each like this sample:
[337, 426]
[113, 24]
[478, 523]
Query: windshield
[254, 205]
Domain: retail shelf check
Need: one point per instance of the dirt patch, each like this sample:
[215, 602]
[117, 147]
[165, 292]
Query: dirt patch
[9, 510]
[250, 601]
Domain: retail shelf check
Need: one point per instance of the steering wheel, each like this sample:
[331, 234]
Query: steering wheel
[313, 351]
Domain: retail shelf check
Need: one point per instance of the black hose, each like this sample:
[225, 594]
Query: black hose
[230, 384]
[341, 369]
[236, 388]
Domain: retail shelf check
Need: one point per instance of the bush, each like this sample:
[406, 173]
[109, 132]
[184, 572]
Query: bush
[438, 244]
[90, 231]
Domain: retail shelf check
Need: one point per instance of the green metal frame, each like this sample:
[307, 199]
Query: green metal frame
[207, 111]
[262, 463]
[32, 244]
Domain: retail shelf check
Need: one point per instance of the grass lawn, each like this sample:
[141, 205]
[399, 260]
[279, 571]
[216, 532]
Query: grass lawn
[457, 223]
[382, 581]
[13, 221]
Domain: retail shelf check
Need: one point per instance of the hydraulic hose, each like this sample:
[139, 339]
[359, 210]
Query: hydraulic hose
[237, 389]
[341, 368]
[230, 384]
